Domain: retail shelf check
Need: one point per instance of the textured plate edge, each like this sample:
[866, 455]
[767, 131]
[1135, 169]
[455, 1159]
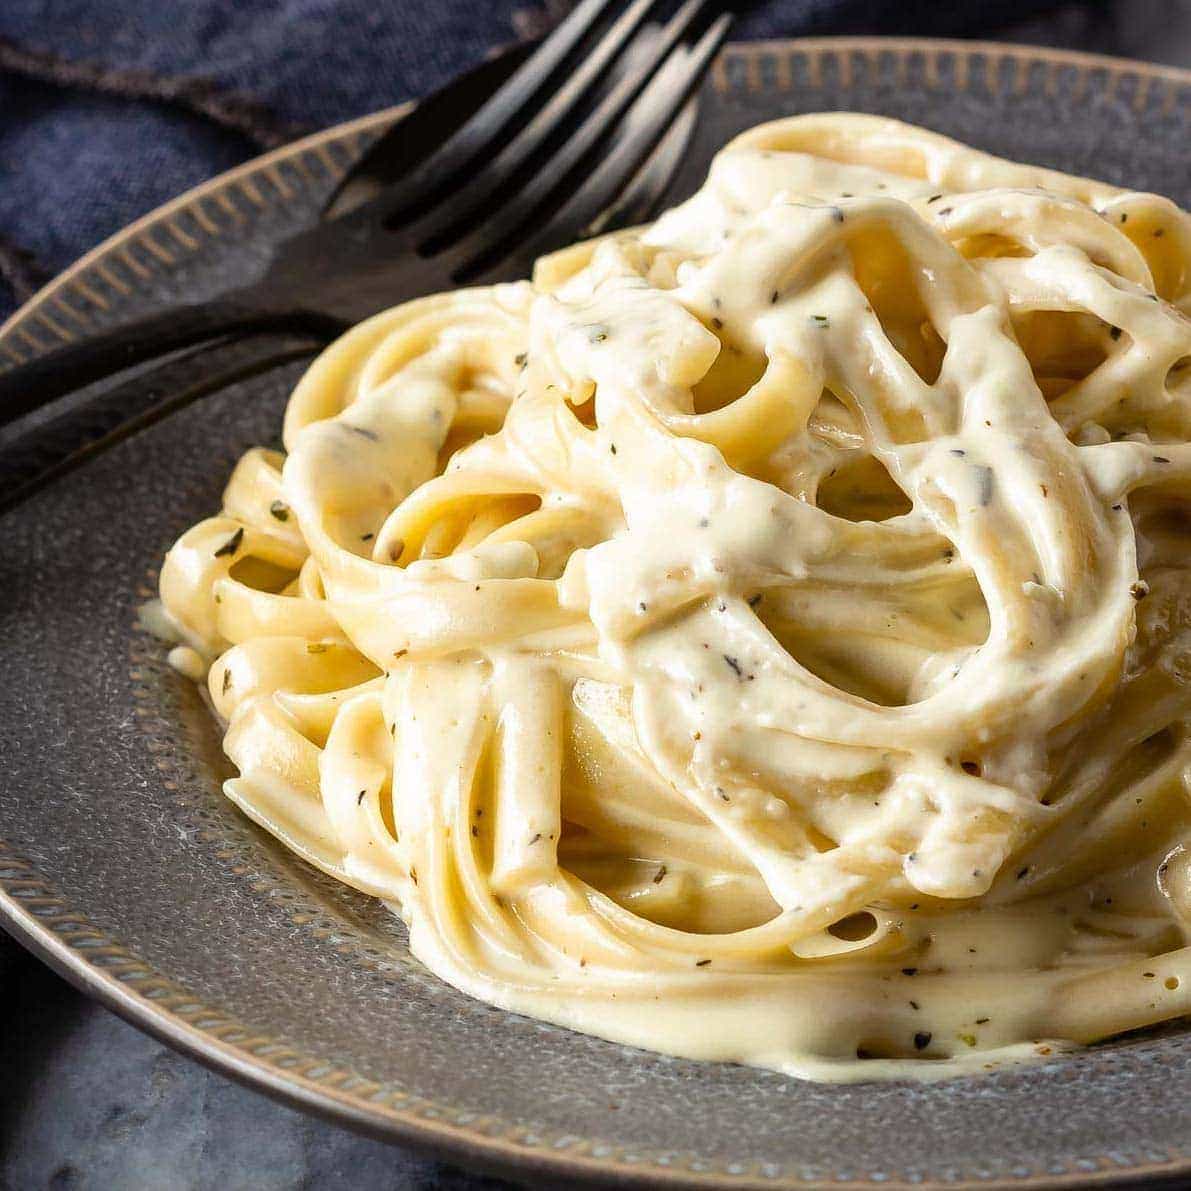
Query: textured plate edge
[1178, 75]
[455, 1143]
[505, 1155]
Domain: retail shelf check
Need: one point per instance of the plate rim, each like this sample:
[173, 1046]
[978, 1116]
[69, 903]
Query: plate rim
[21, 887]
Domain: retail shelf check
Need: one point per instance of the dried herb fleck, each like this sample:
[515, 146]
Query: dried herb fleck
[922, 1040]
[984, 485]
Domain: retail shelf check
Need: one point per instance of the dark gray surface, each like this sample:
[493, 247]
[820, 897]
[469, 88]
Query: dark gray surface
[86, 1101]
[91, 1102]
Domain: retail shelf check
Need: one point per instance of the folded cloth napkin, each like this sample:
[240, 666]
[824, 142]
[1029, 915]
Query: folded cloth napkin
[110, 107]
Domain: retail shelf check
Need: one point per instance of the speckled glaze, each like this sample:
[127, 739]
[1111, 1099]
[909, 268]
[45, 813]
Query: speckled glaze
[124, 867]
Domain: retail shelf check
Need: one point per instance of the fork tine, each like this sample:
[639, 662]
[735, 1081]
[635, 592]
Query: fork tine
[647, 121]
[479, 132]
[492, 233]
[657, 108]
[641, 198]
[529, 140]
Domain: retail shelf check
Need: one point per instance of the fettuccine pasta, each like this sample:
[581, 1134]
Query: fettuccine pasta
[764, 636]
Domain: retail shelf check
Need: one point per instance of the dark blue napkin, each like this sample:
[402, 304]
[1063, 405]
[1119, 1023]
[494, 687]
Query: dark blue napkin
[110, 107]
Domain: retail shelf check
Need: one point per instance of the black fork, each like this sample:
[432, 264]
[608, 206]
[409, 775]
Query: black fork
[586, 131]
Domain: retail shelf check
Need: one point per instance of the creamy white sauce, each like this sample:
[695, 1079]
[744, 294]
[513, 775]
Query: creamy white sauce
[762, 638]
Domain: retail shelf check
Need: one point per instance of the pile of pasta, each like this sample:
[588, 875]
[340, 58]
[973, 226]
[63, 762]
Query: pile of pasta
[765, 635]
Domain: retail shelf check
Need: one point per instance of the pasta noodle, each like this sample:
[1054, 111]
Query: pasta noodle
[764, 636]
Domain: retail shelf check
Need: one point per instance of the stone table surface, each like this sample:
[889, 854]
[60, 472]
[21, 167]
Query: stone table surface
[89, 1102]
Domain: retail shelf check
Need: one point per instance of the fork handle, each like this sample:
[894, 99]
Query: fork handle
[30, 386]
[48, 446]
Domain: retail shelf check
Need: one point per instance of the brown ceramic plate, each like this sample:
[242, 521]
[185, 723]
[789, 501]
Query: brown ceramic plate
[124, 867]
